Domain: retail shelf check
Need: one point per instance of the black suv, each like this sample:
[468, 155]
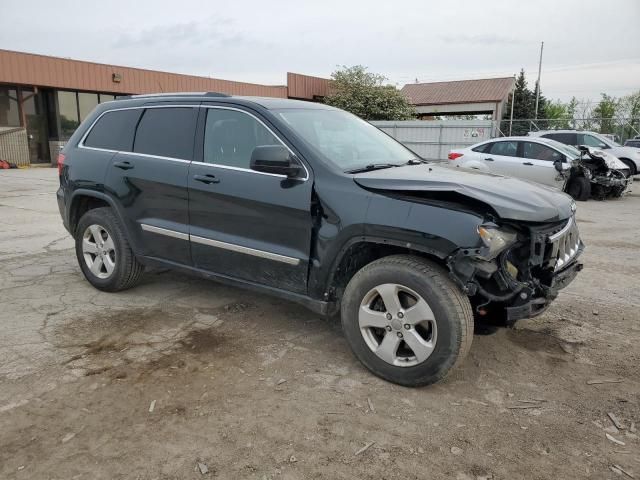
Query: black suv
[312, 204]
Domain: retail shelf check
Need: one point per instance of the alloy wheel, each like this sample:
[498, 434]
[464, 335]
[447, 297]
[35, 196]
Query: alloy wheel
[99, 251]
[398, 325]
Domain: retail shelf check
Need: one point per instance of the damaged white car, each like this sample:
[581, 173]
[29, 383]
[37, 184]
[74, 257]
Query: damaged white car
[582, 173]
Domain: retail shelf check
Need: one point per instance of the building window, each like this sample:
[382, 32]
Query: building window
[87, 102]
[105, 97]
[68, 108]
[9, 110]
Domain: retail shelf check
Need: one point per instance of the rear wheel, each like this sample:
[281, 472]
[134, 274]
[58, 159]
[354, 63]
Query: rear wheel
[579, 188]
[103, 252]
[406, 321]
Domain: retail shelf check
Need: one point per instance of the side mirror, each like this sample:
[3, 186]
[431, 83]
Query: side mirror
[274, 159]
[558, 165]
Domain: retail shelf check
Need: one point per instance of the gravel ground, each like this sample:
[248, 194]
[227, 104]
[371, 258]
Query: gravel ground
[181, 376]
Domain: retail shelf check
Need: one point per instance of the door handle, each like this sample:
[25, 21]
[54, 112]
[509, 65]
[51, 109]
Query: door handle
[123, 165]
[208, 179]
[527, 163]
[488, 159]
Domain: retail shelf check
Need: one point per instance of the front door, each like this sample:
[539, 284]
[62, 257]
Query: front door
[150, 180]
[538, 163]
[245, 224]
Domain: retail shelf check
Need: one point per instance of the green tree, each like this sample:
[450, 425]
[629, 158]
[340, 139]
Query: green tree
[560, 114]
[524, 107]
[629, 110]
[605, 113]
[366, 95]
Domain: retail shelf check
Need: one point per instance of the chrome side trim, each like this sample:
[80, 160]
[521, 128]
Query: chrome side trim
[139, 107]
[148, 155]
[249, 251]
[224, 245]
[240, 169]
[216, 165]
[164, 231]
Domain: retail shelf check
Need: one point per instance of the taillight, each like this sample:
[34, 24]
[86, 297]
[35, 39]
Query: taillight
[454, 155]
[60, 163]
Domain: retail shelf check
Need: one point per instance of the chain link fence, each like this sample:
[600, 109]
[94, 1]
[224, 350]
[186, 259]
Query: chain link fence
[618, 129]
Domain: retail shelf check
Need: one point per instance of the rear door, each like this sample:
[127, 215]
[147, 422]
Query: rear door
[502, 158]
[245, 224]
[538, 161]
[150, 181]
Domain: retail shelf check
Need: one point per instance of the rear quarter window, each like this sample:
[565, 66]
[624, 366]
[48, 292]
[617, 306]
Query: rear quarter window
[114, 131]
[167, 132]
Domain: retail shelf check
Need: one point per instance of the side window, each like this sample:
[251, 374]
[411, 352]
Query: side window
[230, 137]
[537, 151]
[590, 140]
[114, 131]
[167, 132]
[508, 149]
[483, 148]
[566, 138]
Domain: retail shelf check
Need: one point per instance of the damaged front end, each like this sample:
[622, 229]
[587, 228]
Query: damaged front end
[519, 269]
[606, 181]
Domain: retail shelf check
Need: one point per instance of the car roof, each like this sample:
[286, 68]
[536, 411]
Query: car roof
[523, 138]
[270, 103]
[566, 130]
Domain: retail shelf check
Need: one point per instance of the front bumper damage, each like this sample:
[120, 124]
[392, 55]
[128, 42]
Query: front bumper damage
[524, 279]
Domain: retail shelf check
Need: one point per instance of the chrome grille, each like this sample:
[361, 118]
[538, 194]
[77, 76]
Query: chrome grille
[564, 245]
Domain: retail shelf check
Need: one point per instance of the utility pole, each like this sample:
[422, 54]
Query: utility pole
[513, 100]
[538, 81]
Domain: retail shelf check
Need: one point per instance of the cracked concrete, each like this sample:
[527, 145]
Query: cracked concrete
[79, 368]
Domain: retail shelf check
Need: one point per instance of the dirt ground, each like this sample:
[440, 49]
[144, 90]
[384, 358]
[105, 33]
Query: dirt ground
[149, 383]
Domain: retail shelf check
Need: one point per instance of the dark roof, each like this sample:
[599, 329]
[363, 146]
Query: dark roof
[270, 103]
[461, 91]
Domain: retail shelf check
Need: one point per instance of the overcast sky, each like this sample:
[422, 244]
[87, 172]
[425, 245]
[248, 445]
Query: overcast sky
[590, 46]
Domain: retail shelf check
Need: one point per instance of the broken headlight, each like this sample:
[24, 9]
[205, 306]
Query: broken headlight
[495, 239]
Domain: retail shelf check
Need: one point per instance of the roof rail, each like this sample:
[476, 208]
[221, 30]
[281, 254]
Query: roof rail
[176, 94]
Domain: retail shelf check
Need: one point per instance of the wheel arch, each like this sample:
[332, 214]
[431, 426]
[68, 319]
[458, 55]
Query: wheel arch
[83, 200]
[631, 164]
[360, 251]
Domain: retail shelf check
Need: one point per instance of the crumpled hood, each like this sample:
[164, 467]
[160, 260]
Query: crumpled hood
[511, 198]
[611, 160]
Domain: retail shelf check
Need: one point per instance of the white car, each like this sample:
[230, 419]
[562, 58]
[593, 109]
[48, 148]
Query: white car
[629, 155]
[548, 162]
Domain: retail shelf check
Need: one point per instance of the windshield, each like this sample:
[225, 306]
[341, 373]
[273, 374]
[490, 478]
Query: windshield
[607, 141]
[344, 139]
[568, 150]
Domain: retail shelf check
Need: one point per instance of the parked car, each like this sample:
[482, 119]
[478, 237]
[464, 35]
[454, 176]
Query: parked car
[311, 204]
[634, 142]
[581, 174]
[629, 155]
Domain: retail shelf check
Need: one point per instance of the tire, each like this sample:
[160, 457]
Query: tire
[449, 333]
[632, 166]
[579, 188]
[116, 267]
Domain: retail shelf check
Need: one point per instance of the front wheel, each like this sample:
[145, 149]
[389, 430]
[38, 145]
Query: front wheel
[579, 188]
[406, 321]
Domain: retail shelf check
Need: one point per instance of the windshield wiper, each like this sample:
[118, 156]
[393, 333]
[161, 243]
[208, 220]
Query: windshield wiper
[416, 161]
[373, 166]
